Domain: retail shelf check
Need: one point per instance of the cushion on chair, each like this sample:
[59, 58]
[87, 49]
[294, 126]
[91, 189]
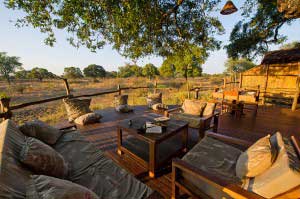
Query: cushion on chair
[46, 187]
[155, 98]
[88, 118]
[41, 131]
[193, 120]
[256, 159]
[214, 157]
[42, 159]
[193, 107]
[124, 108]
[282, 176]
[121, 100]
[13, 176]
[209, 109]
[77, 107]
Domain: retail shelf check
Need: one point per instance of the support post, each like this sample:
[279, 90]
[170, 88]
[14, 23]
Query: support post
[297, 93]
[4, 108]
[155, 86]
[224, 83]
[188, 89]
[119, 89]
[196, 93]
[67, 87]
[241, 80]
[266, 84]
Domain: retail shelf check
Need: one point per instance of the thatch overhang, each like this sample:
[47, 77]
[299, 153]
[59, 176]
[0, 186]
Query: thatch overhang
[282, 57]
[290, 8]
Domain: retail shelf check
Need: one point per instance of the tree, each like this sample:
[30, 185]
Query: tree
[149, 70]
[130, 70]
[236, 66]
[8, 65]
[260, 27]
[167, 69]
[112, 74]
[22, 74]
[295, 44]
[72, 73]
[40, 74]
[134, 28]
[94, 71]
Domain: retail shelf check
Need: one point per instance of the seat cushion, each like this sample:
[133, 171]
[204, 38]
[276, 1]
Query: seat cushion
[77, 107]
[282, 176]
[124, 108]
[42, 159]
[46, 187]
[13, 176]
[193, 107]
[214, 157]
[256, 159]
[155, 98]
[193, 120]
[41, 131]
[90, 168]
[88, 118]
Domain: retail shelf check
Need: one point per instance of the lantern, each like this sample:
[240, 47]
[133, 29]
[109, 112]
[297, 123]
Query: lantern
[228, 8]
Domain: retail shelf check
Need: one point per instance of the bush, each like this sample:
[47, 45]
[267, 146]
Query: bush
[3, 95]
[19, 89]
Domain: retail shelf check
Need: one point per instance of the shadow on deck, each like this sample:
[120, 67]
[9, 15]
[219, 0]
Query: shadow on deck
[267, 121]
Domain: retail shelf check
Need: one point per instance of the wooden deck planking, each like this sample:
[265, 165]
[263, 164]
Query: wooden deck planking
[268, 120]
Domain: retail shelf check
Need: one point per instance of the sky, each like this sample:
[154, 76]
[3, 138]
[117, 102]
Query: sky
[28, 44]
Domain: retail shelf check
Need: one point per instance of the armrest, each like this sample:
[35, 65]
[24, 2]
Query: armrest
[210, 116]
[167, 112]
[230, 140]
[232, 189]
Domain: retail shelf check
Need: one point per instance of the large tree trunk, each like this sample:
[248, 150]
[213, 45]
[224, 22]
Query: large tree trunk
[290, 8]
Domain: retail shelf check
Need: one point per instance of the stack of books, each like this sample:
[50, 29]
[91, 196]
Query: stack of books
[153, 128]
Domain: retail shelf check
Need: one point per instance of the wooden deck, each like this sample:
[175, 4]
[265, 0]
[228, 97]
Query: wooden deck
[249, 127]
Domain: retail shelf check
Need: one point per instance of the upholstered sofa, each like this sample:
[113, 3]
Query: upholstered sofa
[87, 166]
[209, 170]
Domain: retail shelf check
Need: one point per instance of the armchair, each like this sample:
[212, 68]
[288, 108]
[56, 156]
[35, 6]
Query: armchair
[199, 182]
[201, 120]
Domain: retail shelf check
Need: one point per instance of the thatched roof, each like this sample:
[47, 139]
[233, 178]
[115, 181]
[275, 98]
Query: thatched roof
[290, 8]
[282, 57]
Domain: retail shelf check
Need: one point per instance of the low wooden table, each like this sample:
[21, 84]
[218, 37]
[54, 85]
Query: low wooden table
[152, 150]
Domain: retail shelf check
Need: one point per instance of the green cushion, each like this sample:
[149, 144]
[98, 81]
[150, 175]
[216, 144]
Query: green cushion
[193, 120]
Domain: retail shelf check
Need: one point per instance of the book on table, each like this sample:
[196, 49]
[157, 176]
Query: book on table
[153, 128]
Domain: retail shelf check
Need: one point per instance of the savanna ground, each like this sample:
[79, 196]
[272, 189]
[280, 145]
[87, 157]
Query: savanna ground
[174, 92]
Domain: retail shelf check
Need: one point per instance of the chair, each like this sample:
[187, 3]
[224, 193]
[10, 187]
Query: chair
[198, 114]
[198, 178]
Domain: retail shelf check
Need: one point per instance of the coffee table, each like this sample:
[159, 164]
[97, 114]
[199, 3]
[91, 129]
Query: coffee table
[150, 149]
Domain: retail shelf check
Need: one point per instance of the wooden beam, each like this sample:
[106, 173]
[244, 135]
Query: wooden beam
[241, 80]
[297, 93]
[266, 83]
[67, 87]
[119, 89]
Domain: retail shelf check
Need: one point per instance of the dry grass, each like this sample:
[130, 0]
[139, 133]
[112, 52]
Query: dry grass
[174, 92]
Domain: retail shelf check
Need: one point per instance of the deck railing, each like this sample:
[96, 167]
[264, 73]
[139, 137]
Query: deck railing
[6, 109]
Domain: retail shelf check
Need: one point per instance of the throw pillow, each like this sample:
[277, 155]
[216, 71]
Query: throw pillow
[42, 159]
[41, 131]
[154, 98]
[121, 100]
[77, 107]
[255, 160]
[124, 108]
[193, 107]
[88, 118]
[209, 109]
[46, 187]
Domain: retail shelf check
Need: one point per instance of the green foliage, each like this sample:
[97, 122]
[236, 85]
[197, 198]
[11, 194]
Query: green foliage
[130, 70]
[150, 71]
[40, 73]
[22, 74]
[135, 28]
[294, 44]
[3, 95]
[72, 73]
[236, 66]
[94, 70]
[8, 65]
[187, 63]
[259, 29]
[112, 74]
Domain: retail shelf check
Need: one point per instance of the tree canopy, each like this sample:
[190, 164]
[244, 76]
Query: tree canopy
[135, 28]
[72, 72]
[294, 44]
[40, 73]
[236, 66]
[258, 29]
[8, 65]
[94, 71]
[150, 71]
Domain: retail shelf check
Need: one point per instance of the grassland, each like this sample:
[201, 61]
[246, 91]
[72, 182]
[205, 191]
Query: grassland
[174, 92]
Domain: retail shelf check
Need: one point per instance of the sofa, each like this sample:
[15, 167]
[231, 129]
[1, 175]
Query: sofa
[87, 166]
[209, 170]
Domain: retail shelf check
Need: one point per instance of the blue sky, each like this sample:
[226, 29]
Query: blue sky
[27, 43]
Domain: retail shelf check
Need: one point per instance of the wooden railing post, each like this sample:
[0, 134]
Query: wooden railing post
[296, 97]
[119, 89]
[155, 86]
[224, 83]
[67, 86]
[4, 108]
[196, 93]
[188, 89]
[241, 80]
